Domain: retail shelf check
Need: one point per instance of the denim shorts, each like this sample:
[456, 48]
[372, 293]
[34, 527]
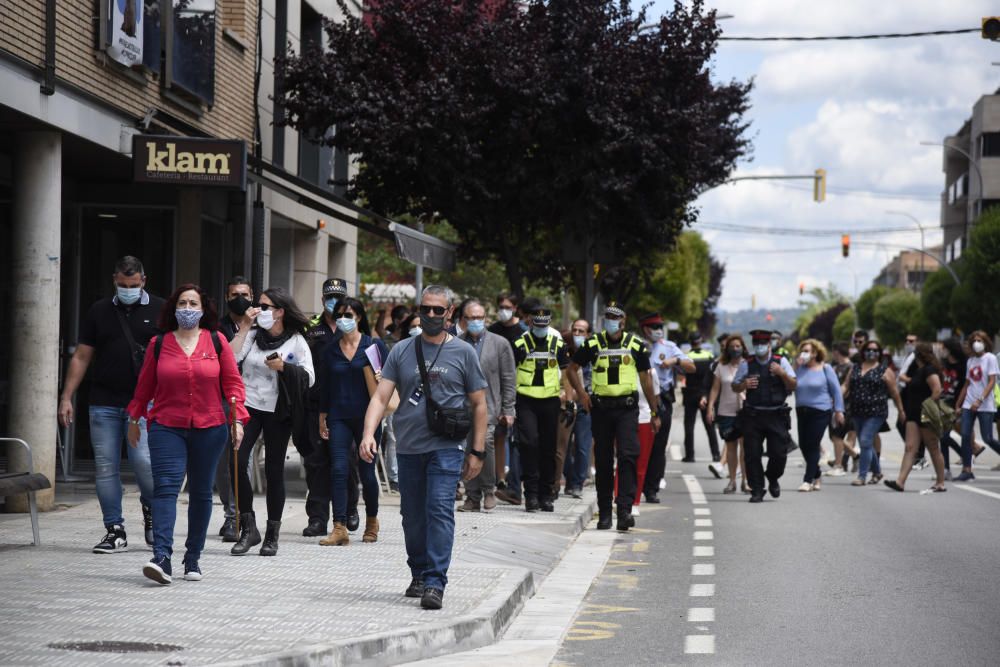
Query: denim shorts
[728, 428]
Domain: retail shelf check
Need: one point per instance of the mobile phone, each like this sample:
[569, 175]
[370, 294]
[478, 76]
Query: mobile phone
[272, 356]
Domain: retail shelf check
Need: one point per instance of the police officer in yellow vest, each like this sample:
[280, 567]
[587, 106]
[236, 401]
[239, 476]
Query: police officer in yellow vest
[540, 356]
[620, 361]
[695, 397]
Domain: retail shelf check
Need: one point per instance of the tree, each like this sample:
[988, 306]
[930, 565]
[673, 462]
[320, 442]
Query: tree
[822, 325]
[865, 306]
[819, 300]
[897, 314]
[844, 325]
[679, 283]
[976, 303]
[709, 315]
[935, 298]
[527, 124]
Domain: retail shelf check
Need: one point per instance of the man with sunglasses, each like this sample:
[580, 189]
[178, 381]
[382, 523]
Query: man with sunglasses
[540, 356]
[620, 365]
[430, 462]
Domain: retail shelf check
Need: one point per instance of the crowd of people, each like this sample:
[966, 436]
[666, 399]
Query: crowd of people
[517, 410]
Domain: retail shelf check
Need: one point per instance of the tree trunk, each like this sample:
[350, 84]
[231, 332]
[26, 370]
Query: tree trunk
[515, 276]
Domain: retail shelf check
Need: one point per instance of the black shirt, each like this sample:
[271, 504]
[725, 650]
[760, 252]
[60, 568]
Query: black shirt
[228, 328]
[113, 376]
[319, 337]
[918, 390]
[511, 333]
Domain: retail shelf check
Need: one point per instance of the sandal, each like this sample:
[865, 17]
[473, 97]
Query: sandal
[938, 489]
[730, 488]
[894, 485]
[876, 478]
[745, 488]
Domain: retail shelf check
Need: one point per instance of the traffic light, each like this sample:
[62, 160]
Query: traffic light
[802, 289]
[991, 28]
[845, 244]
[819, 186]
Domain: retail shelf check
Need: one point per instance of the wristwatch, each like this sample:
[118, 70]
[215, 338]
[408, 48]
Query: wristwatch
[134, 421]
[478, 454]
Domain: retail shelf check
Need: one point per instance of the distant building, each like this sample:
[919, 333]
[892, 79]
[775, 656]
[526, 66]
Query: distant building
[908, 269]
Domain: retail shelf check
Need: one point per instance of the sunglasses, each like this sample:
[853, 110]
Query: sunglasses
[266, 306]
[656, 327]
[433, 310]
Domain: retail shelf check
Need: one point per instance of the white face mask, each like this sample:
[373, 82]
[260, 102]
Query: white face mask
[978, 347]
[265, 319]
[656, 334]
[505, 314]
[805, 358]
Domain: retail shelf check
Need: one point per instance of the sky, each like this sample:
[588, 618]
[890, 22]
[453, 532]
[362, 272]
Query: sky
[857, 109]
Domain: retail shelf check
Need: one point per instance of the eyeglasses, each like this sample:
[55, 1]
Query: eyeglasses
[266, 306]
[656, 327]
[433, 310]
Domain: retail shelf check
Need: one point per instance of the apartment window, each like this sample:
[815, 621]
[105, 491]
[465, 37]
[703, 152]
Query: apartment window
[990, 144]
[191, 48]
[152, 35]
[958, 189]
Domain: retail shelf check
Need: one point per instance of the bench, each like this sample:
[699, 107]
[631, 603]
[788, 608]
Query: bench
[14, 483]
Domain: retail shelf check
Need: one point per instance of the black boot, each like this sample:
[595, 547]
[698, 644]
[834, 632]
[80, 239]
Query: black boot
[228, 531]
[625, 518]
[249, 535]
[270, 546]
[316, 528]
[147, 524]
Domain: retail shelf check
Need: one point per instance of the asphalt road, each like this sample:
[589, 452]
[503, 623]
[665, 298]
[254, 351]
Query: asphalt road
[844, 576]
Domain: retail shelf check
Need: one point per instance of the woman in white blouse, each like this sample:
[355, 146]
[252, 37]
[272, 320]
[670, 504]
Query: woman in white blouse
[724, 406]
[277, 369]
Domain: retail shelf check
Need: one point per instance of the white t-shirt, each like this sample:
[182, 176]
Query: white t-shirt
[729, 401]
[645, 414]
[978, 372]
[261, 382]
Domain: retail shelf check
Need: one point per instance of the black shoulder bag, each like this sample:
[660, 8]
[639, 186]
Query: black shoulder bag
[138, 352]
[451, 423]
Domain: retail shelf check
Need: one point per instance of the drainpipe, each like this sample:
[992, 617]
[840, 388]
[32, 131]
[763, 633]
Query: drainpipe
[49, 78]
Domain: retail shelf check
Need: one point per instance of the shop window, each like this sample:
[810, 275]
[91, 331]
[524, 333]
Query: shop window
[152, 35]
[191, 53]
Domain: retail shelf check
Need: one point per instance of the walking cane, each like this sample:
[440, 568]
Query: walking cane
[236, 463]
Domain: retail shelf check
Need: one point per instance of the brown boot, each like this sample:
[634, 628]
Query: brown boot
[338, 537]
[371, 530]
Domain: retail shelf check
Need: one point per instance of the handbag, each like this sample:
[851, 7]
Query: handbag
[451, 423]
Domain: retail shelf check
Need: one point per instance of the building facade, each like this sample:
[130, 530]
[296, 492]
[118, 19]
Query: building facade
[211, 188]
[909, 269]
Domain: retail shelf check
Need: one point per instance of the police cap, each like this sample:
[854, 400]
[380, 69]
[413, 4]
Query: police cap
[334, 287]
[541, 316]
[613, 310]
[759, 336]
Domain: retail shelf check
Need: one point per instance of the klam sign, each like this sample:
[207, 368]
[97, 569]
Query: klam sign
[188, 161]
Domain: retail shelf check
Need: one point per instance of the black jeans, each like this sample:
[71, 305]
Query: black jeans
[611, 426]
[759, 426]
[276, 434]
[318, 475]
[537, 427]
[658, 455]
[813, 424]
[691, 412]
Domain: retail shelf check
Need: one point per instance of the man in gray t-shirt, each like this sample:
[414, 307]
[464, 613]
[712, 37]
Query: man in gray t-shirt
[429, 464]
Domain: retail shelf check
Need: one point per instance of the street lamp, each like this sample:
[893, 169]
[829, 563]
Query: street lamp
[923, 250]
[979, 175]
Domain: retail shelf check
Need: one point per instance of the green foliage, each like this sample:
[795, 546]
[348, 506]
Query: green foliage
[865, 306]
[678, 284]
[897, 314]
[935, 298]
[844, 325]
[820, 300]
[976, 303]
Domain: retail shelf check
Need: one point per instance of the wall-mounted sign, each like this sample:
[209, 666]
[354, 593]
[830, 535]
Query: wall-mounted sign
[188, 161]
[124, 34]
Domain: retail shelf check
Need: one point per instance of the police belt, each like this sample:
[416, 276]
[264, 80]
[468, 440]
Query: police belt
[749, 411]
[615, 402]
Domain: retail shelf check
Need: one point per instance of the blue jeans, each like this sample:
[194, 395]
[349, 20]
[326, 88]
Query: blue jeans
[867, 428]
[343, 434]
[174, 452]
[969, 419]
[813, 423]
[427, 504]
[108, 426]
[578, 456]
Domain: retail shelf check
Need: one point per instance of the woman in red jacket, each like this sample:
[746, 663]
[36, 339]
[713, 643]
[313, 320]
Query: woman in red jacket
[188, 374]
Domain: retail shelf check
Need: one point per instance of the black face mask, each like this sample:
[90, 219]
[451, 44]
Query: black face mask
[432, 326]
[239, 305]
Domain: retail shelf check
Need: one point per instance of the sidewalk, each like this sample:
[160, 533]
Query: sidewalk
[307, 605]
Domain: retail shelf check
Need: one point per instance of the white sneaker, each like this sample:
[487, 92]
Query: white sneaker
[836, 472]
[816, 486]
[635, 510]
[806, 486]
[717, 469]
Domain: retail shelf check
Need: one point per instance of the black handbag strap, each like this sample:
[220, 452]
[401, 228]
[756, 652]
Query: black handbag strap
[132, 345]
[424, 381]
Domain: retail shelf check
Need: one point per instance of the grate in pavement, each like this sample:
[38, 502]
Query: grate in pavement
[117, 647]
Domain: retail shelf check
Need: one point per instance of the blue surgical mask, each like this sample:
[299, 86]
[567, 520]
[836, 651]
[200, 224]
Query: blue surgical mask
[476, 327]
[540, 332]
[415, 331]
[346, 324]
[612, 326]
[761, 350]
[128, 295]
[188, 319]
[330, 305]
[579, 340]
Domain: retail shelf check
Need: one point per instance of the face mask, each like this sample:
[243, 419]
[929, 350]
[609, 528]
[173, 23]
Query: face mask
[805, 357]
[330, 305]
[978, 347]
[238, 305]
[909, 348]
[188, 319]
[432, 326]
[761, 350]
[128, 295]
[735, 353]
[656, 334]
[415, 331]
[346, 324]
[540, 332]
[612, 326]
[458, 329]
[871, 355]
[265, 319]
[505, 314]
[579, 340]
[775, 343]
[476, 327]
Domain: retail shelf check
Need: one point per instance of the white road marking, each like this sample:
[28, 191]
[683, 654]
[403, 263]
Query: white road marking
[701, 590]
[704, 552]
[694, 490]
[699, 644]
[701, 615]
[702, 511]
[981, 492]
[703, 523]
[703, 535]
[703, 569]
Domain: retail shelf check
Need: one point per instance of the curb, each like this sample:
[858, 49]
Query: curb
[484, 626]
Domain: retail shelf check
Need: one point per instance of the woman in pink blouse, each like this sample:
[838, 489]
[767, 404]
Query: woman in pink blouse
[189, 374]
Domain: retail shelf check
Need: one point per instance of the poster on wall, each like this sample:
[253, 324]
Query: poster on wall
[125, 31]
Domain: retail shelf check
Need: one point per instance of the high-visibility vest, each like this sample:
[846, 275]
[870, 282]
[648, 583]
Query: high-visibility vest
[614, 372]
[538, 373]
